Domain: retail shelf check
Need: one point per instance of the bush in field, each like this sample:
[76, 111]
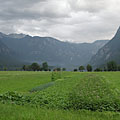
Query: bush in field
[14, 98]
[98, 70]
[55, 75]
[75, 70]
[94, 93]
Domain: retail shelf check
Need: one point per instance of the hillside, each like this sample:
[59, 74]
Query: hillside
[111, 51]
[5, 54]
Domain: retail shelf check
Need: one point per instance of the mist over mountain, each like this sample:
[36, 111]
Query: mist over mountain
[16, 35]
[109, 52]
[57, 53]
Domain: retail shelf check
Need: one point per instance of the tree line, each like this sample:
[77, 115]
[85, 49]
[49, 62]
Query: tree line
[36, 67]
[43, 67]
[110, 66]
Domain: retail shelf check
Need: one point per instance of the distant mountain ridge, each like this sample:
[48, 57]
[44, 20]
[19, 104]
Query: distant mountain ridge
[109, 52]
[57, 53]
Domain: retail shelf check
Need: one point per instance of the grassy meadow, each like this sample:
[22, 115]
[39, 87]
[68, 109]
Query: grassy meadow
[73, 96]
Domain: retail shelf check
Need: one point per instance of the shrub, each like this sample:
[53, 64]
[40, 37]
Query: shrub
[89, 68]
[75, 70]
[14, 98]
[55, 75]
[98, 70]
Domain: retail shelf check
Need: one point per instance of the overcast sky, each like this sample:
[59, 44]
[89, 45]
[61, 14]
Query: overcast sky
[67, 20]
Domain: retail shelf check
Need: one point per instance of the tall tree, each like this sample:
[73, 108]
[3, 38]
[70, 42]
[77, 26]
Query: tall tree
[105, 69]
[35, 67]
[45, 66]
[89, 68]
[63, 69]
[112, 66]
[118, 67]
[24, 67]
[81, 68]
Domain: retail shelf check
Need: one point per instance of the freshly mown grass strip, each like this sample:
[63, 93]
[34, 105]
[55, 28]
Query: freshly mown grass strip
[42, 87]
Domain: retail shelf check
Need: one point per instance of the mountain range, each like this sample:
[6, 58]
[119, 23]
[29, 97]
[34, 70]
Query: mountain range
[109, 52]
[28, 49]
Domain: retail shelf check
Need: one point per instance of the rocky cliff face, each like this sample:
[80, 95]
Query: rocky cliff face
[111, 51]
[4, 49]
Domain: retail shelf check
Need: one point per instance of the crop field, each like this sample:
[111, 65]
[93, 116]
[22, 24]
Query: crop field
[59, 95]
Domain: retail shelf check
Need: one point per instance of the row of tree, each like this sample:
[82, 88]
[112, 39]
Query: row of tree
[110, 66]
[82, 68]
[36, 67]
[43, 67]
[59, 69]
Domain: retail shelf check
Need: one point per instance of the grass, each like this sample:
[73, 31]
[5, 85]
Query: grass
[112, 77]
[13, 112]
[22, 81]
[52, 96]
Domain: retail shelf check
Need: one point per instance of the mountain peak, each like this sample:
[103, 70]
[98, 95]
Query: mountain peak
[2, 34]
[117, 33]
[110, 51]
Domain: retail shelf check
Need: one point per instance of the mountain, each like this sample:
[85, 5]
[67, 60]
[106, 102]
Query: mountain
[5, 55]
[16, 35]
[4, 50]
[55, 52]
[110, 51]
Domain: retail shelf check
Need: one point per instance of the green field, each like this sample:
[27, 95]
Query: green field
[57, 101]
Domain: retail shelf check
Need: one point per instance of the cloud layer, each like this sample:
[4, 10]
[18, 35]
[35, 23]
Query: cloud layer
[67, 20]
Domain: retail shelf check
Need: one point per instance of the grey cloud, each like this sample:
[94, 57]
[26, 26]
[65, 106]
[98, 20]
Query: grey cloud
[31, 9]
[88, 5]
[76, 21]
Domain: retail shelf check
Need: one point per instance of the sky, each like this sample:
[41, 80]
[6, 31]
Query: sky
[67, 20]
